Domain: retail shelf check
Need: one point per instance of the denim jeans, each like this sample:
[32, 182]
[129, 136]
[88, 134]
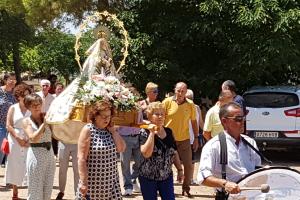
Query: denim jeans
[165, 188]
[3, 134]
[132, 149]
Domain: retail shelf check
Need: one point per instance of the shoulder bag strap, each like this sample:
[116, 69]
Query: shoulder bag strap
[223, 155]
[254, 149]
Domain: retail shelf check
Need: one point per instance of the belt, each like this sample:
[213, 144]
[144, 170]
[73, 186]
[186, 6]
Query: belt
[46, 145]
[132, 135]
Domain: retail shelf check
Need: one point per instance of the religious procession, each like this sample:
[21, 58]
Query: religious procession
[120, 144]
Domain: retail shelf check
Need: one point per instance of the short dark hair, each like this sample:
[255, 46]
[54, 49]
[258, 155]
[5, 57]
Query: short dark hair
[20, 89]
[32, 98]
[230, 84]
[224, 110]
[99, 106]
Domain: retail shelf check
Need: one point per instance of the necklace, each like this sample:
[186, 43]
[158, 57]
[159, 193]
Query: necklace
[162, 133]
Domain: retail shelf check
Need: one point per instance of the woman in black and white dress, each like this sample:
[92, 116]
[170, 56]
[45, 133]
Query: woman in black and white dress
[40, 162]
[98, 145]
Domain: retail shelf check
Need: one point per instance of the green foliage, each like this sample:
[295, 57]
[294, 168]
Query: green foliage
[260, 39]
[53, 53]
[254, 42]
[13, 32]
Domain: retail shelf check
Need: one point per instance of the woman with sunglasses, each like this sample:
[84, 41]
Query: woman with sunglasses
[6, 100]
[159, 153]
[18, 142]
[40, 157]
[98, 145]
[152, 94]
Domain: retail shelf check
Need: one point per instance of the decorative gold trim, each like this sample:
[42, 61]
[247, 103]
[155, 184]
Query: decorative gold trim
[97, 16]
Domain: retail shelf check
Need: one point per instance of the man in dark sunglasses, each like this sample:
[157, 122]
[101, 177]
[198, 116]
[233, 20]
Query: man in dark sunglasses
[241, 159]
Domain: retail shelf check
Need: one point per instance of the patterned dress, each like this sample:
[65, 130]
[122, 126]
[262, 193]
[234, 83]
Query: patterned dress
[40, 168]
[103, 176]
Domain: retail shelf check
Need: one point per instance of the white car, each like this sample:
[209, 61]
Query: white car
[273, 117]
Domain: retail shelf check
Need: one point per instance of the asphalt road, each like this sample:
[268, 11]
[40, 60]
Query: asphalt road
[200, 192]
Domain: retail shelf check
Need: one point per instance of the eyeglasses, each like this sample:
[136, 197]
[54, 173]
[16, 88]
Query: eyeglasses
[12, 80]
[45, 85]
[159, 114]
[237, 118]
[35, 105]
[105, 116]
[155, 91]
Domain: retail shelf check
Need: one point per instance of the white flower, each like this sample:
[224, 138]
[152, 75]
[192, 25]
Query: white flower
[108, 88]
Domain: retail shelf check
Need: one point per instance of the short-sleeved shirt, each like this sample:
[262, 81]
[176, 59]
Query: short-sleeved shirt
[212, 121]
[178, 117]
[47, 100]
[158, 167]
[6, 100]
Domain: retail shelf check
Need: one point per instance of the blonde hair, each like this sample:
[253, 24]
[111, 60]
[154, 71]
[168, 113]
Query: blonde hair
[150, 86]
[157, 105]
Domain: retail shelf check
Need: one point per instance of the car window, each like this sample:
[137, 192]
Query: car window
[271, 100]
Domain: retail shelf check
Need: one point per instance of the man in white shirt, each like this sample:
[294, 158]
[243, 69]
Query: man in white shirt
[46, 96]
[241, 158]
[47, 100]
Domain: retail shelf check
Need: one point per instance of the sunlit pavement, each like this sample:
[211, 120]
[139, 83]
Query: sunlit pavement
[199, 192]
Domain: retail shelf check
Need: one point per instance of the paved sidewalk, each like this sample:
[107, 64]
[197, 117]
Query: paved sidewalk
[199, 192]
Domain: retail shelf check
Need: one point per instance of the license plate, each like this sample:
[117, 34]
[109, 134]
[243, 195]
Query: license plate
[266, 134]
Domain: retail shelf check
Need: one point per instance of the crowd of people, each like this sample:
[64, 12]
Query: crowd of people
[171, 133]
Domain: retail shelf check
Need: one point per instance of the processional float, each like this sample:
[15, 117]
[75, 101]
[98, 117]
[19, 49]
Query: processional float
[98, 80]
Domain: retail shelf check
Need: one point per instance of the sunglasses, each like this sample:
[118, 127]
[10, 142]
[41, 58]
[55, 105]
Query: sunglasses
[155, 91]
[237, 118]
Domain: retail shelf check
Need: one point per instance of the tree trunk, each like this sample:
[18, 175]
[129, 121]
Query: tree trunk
[16, 60]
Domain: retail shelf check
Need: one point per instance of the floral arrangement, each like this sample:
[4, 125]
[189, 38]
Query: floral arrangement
[109, 88]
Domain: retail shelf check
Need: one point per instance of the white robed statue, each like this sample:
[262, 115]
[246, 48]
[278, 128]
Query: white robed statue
[66, 115]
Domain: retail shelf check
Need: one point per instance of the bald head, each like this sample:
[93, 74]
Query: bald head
[180, 91]
[225, 97]
[181, 85]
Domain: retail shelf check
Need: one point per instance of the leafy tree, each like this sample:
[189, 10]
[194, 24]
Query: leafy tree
[260, 39]
[53, 53]
[203, 42]
[13, 32]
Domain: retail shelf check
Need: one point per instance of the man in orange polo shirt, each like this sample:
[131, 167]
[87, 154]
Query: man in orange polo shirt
[179, 111]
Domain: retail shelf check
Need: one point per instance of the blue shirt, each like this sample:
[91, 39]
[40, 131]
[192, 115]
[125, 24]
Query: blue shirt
[6, 100]
[240, 100]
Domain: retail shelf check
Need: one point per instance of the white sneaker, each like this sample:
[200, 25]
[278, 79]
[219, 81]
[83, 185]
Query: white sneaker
[136, 188]
[127, 192]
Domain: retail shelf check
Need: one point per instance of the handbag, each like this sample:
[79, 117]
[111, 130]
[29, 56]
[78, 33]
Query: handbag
[5, 146]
